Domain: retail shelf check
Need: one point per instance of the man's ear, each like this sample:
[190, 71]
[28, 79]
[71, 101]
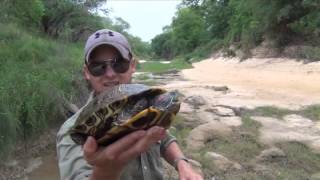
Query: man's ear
[86, 72]
[133, 65]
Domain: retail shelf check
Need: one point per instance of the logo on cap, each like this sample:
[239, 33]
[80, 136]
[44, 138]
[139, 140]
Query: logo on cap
[97, 35]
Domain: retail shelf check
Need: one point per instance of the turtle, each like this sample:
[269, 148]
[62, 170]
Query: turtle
[122, 109]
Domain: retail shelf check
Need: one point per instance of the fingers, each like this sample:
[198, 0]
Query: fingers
[153, 135]
[192, 177]
[124, 149]
[126, 142]
[89, 148]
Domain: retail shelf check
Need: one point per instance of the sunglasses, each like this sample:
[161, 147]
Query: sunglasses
[98, 68]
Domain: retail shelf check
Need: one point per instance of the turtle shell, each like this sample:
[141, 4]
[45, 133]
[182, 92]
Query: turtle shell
[123, 109]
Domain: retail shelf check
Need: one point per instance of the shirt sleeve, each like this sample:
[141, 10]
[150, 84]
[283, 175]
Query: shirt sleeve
[166, 142]
[72, 165]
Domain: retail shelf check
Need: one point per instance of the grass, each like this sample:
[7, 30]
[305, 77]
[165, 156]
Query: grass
[269, 111]
[180, 131]
[300, 161]
[243, 146]
[312, 112]
[36, 81]
[157, 66]
[145, 79]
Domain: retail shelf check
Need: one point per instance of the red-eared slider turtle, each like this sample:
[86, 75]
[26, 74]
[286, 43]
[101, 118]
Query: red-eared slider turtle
[123, 109]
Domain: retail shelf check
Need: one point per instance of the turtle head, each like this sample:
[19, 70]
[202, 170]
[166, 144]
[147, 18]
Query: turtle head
[168, 101]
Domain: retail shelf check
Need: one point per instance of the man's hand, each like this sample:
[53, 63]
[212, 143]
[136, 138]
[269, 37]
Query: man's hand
[109, 162]
[186, 172]
[184, 169]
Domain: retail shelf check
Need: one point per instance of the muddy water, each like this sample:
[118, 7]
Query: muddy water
[48, 170]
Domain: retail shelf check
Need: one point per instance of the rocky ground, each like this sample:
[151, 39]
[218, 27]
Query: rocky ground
[251, 120]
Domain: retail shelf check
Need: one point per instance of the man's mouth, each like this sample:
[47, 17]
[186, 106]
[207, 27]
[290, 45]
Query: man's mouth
[108, 84]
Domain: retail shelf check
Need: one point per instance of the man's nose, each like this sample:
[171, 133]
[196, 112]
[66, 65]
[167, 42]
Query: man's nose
[109, 72]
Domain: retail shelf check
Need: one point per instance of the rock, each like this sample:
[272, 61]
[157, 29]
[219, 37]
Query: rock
[196, 166]
[218, 88]
[315, 176]
[186, 108]
[291, 128]
[317, 125]
[234, 121]
[195, 163]
[265, 50]
[33, 164]
[222, 111]
[271, 154]
[11, 163]
[298, 121]
[192, 121]
[206, 132]
[169, 171]
[172, 174]
[221, 162]
[237, 110]
[171, 71]
[195, 101]
[266, 171]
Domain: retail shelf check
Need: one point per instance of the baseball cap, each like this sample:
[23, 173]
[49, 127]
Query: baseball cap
[108, 37]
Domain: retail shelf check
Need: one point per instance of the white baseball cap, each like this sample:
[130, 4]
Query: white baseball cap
[108, 37]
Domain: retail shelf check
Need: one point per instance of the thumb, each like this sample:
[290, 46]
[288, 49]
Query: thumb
[90, 147]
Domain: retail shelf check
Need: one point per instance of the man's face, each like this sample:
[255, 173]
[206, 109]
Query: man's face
[109, 77]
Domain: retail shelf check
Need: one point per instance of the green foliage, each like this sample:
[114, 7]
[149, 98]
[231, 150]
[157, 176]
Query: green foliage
[67, 20]
[300, 161]
[62, 15]
[269, 111]
[140, 48]
[186, 38]
[307, 54]
[308, 25]
[179, 131]
[311, 112]
[216, 16]
[28, 12]
[244, 23]
[162, 45]
[186, 32]
[35, 84]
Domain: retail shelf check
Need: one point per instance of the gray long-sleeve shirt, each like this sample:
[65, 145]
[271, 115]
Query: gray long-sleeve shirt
[73, 166]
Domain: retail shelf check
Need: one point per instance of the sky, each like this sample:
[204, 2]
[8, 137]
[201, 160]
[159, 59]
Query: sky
[146, 17]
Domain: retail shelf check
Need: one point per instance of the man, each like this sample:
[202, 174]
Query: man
[108, 62]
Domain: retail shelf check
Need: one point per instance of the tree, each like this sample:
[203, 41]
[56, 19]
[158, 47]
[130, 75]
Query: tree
[28, 12]
[72, 16]
[163, 45]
